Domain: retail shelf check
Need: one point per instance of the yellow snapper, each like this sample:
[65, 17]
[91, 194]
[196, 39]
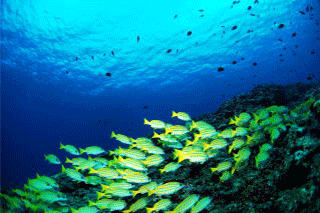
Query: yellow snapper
[226, 175]
[153, 160]
[117, 185]
[170, 167]
[117, 205]
[70, 149]
[53, 159]
[261, 157]
[201, 205]
[200, 125]
[106, 172]
[181, 115]
[75, 161]
[166, 189]
[86, 209]
[165, 137]
[132, 164]
[145, 188]
[160, 205]
[153, 150]
[132, 153]
[139, 204]
[92, 150]
[176, 130]
[73, 174]
[51, 196]
[186, 204]
[227, 133]
[236, 144]
[242, 155]
[118, 192]
[122, 138]
[216, 144]
[136, 178]
[195, 156]
[155, 124]
[86, 165]
[222, 166]
[240, 131]
[101, 204]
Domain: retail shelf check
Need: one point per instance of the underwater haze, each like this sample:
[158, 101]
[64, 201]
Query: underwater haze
[74, 71]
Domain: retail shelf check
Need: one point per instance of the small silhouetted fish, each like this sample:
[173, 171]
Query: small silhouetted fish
[254, 63]
[282, 60]
[307, 8]
[242, 58]
[279, 39]
[77, 58]
[67, 72]
[251, 14]
[285, 48]
[234, 27]
[296, 46]
[313, 52]
[302, 12]
[294, 34]
[201, 10]
[234, 62]
[309, 78]
[189, 33]
[112, 52]
[175, 16]
[169, 50]
[145, 107]
[220, 69]
[138, 38]
[281, 26]
[201, 15]
[249, 8]
[108, 74]
[256, 1]
[280, 55]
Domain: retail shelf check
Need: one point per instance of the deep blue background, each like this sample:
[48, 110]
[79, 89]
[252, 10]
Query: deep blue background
[43, 105]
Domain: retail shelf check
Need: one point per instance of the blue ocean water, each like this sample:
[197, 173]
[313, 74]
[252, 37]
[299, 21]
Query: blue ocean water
[73, 71]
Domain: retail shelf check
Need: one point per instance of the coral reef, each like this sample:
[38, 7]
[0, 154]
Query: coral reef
[259, 152]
